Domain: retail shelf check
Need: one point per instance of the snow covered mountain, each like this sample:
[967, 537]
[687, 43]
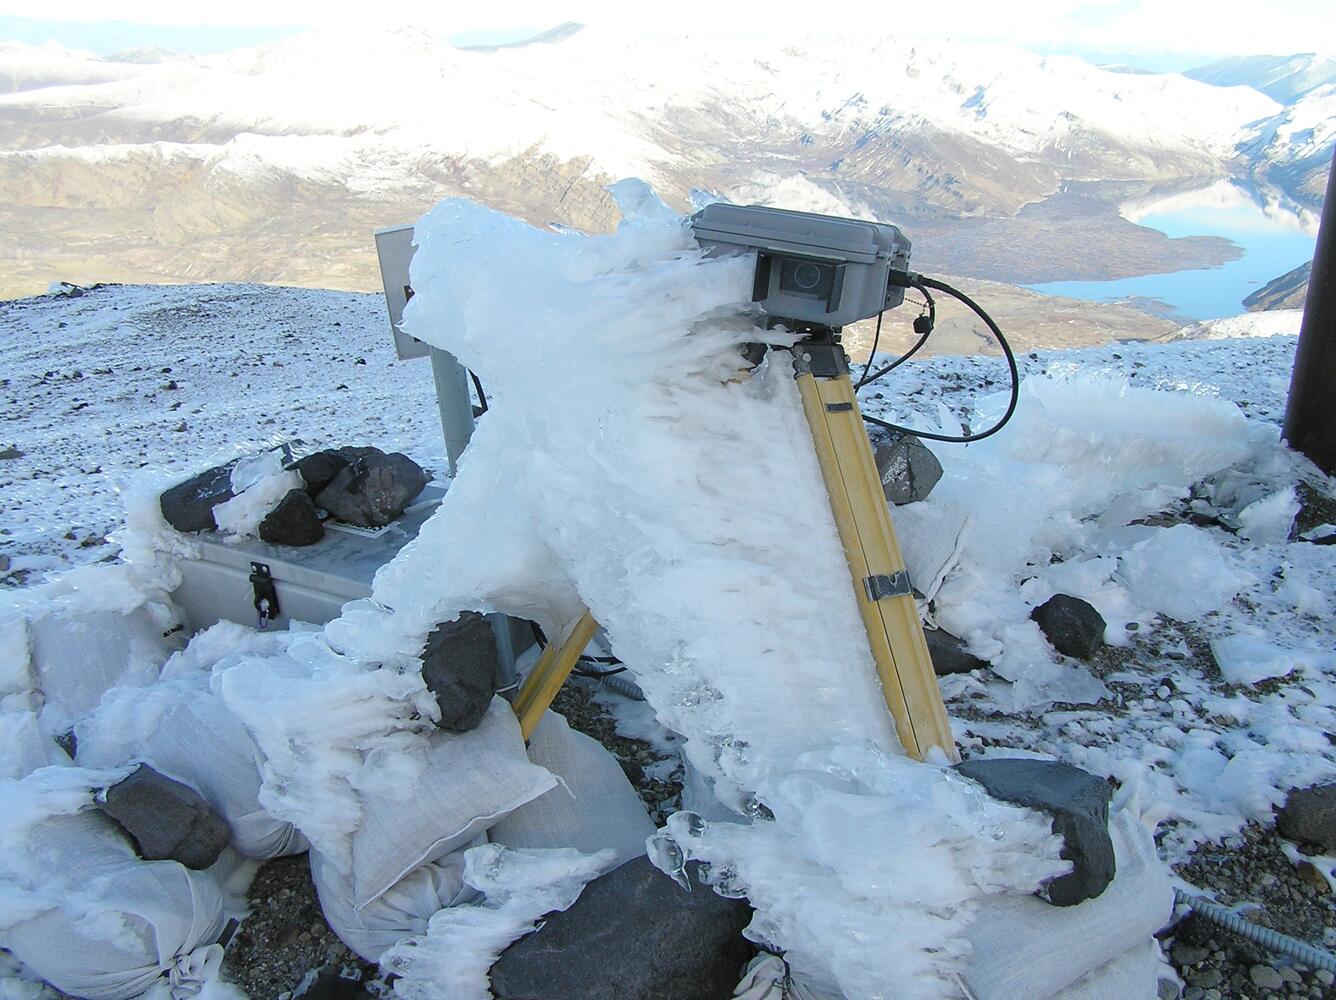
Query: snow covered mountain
[1283, 78]
[1293, 149]
[273, 163]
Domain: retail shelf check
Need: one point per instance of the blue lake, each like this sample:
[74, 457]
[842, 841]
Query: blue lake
[1273, 239]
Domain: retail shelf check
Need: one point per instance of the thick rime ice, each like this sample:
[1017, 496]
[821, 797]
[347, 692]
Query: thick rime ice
[627, 462]
[1044, 508]
[259, 482]
[452, 959]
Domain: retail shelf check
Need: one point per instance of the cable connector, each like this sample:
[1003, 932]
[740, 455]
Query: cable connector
[904, 279]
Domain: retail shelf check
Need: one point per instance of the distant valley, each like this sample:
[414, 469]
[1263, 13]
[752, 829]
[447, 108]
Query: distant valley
[276, 164]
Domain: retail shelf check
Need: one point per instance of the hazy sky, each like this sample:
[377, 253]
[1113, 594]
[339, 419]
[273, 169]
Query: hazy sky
[1155, 32]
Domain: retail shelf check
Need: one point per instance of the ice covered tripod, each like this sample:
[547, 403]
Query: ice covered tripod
[814, 275]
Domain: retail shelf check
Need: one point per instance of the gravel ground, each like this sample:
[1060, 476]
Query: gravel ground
[1292, 899]
[285, 938]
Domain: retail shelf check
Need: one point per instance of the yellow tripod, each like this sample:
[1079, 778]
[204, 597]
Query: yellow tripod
[880, 582]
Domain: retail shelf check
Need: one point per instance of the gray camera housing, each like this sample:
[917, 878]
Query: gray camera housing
[811, 270]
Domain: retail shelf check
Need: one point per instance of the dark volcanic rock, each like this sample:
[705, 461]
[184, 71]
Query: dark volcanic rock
[1079, 805]
[166, 819]
[1072, 625]
[189, 506]
[949, 655]
[294, 521]
[459, 666]
[319, 469]
[1309, 816]
[908, 470]
[373, 489]
[634, 934]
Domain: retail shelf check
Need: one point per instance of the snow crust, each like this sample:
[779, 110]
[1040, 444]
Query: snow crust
[1270, 323]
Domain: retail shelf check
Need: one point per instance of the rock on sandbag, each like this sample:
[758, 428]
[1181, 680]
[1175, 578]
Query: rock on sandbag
[1102, 949]
[195, 739]
[295, 521]
[633, 932]
[459, 666]
[1072, 625]
[1077, 801]
[1309, 816]
[908, 470]
[468, 782]
[110, 926]
[373, 489]
[189, 506]
[949, 655]
[166, 819]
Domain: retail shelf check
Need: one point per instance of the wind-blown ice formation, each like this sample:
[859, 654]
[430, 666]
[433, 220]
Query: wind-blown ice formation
[628, 463]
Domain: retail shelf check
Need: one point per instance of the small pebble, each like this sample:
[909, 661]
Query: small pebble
[1266, 977]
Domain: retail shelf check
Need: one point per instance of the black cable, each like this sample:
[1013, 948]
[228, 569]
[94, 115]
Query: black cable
[541, 639]
[922, 283]
[923, 339]
[876, 339]
[482, 396]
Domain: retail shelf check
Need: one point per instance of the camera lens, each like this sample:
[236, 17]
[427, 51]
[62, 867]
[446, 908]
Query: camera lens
[806, 276]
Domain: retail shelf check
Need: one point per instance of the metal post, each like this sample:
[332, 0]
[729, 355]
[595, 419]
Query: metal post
[452, 398]
[1310, 412]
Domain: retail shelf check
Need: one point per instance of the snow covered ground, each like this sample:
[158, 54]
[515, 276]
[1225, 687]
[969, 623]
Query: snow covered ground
[1147, 479]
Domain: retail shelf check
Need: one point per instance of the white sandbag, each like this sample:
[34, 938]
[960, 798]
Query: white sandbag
[77, 656]
[186, 732]
[400, 912]
[1025, 949]
[1133, 975]
[24, 747]
[594, 807]
[768, 977]
[89, 917]
[469, 781]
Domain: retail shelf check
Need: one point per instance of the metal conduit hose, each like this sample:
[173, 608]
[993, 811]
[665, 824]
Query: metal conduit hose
[1280, 944]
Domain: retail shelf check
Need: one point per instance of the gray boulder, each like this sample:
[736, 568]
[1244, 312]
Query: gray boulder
[949, 655]
[1077, 801]
[634, 934]
[294, 521]
[1072, 625]
[459, 666]
[189, 506]
[908, 470]
[374, 489]
[1309, 816]
[166, 819]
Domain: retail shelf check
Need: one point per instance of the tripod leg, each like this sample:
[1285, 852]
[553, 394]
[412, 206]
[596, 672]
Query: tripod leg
[550, 672]
[881, 585]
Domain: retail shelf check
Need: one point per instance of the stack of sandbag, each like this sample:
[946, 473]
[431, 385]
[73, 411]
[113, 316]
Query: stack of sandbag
[566, 792]
[79, 908]
[184, 731]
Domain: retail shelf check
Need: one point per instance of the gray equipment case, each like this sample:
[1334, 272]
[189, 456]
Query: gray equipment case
[849, 261]
[312, 583]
